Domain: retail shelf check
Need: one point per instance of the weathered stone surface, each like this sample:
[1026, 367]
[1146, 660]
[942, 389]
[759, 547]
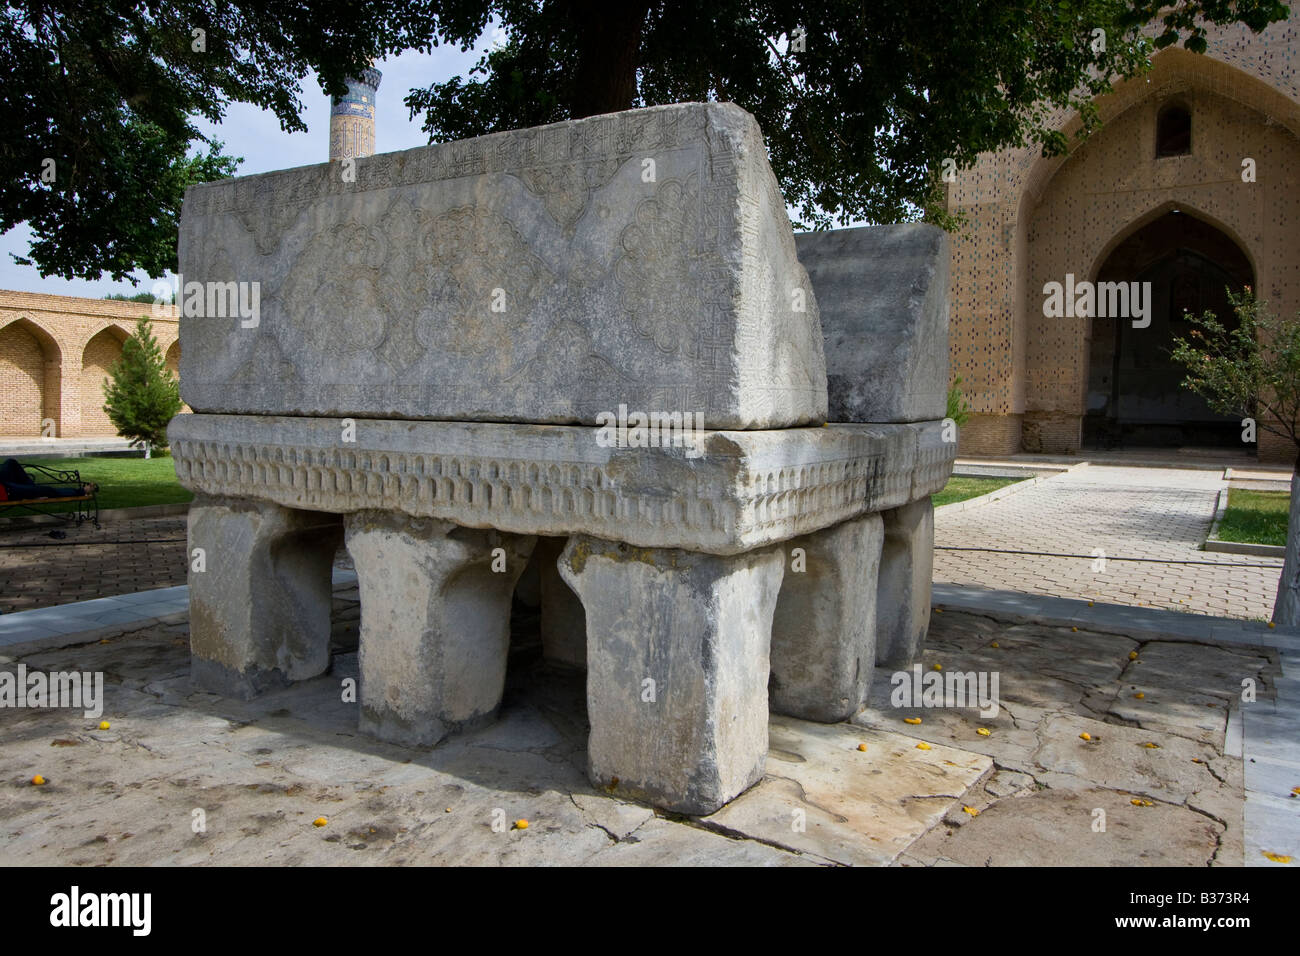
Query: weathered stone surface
[435, 627]
[1119, 757]
[822, 796]
[564, 622]
[903, 597]
[539, 275]
[260, 605]
[883, 296]
[747, 490]
[677, 669]
[264, 769]
[824, 629]
[1043, 829]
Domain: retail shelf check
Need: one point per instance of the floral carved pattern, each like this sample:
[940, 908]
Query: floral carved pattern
[669, 268]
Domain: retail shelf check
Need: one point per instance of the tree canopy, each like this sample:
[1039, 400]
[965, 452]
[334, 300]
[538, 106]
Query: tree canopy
[141, 395]
[860, 102]
[99, 101]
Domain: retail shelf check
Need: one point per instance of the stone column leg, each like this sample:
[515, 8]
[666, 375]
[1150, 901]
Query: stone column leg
[435, 623]
[677, 668]
[564, 622]
[260, 605]
[824, 629]
[906, 571]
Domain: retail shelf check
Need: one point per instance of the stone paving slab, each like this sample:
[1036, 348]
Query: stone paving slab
[824, 796]
[1189, 669]
[262, 771]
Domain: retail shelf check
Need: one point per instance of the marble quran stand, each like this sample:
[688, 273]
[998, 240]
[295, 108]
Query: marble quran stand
[440, 348]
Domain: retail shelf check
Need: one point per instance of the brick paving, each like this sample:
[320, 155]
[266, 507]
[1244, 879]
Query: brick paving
[39, 571]
[1161, 515]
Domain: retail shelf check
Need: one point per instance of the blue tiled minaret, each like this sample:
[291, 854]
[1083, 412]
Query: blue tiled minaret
[352, 118]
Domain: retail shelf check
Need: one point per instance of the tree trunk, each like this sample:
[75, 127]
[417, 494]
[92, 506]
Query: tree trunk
[1286, 610]
[610, 38]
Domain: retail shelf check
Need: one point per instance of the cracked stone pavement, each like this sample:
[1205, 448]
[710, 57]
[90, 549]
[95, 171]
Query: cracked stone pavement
[260, 772]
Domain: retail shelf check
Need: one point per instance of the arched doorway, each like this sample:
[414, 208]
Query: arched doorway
[101, 354]
[29, 368]
[174, 359]
[1134, 395]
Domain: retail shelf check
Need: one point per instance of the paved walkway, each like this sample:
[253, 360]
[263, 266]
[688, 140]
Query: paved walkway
[1070, 522]
[124, 557]
[16, 446]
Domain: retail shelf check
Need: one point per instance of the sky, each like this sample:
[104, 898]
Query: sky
[255, 135]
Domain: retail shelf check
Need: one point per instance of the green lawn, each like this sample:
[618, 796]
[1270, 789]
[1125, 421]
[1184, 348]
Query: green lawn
[1255, 517]
[960, 488]
[123, 482]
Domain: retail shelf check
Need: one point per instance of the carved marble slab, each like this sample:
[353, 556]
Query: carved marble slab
[747, 490]
[541, 275]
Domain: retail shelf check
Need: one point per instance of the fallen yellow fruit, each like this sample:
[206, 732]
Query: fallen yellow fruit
[1141, 803]
[1132, 655]
[983, 731]
[862, 747]
[1139, 695]
[104, 725]
[319, 822]
[972, 811]
[448, 810]
[1276, 857]
[1089, 604]
[38, 780]
[1273, 624]
[911, 720]
[938, 667]
[938, 610]
[1085, 736]
[521, 824]
[994, 644]
[1074, 628]
[1151, 746]
[1295, 791]
[923, 746]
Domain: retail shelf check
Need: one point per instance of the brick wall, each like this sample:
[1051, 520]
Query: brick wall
[1031, 220]
[22, 381]
[989, 436]
[75, 340]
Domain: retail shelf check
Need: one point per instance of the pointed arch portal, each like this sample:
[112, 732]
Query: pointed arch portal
[1134, 395]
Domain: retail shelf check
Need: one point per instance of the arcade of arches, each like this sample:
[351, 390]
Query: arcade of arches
[1161, 193]
[55, 353]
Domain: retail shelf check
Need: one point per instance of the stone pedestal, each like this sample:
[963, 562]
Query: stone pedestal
[677, 668]
[903, 596]
[435, 623]
[564, 622]
[824, 628]
[260, 606]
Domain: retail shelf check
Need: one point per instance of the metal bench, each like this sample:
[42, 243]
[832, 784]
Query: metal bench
[50, 487]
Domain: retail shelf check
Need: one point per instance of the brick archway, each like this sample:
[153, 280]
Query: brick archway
[30, 360]
[98, 357]
[1183, 263]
